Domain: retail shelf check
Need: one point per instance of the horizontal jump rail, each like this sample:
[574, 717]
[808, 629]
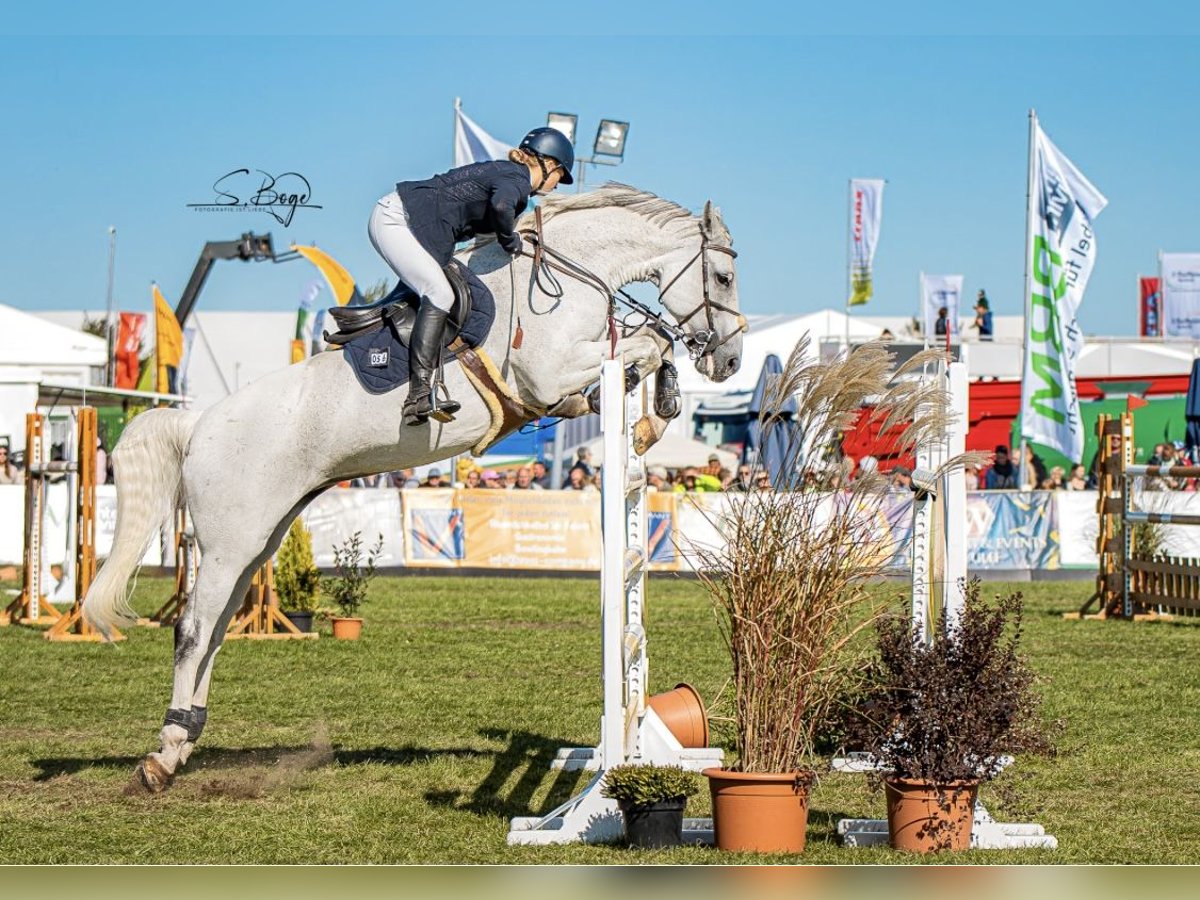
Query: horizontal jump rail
[1154, 518]
[1163, 471]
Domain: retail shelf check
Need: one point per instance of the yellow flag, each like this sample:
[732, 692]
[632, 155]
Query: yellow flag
[340, 281]
[168, 340]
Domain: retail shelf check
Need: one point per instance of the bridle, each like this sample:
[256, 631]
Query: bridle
[698, 343]
[708, 335]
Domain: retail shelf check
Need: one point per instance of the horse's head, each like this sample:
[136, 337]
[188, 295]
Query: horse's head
[699, 289]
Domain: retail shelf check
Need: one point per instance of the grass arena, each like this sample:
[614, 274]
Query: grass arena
[420, 742]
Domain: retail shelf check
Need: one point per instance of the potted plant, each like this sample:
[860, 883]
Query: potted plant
[790, 581]
[942, 714]
[297, 578]
[348, 587]
[651, 799]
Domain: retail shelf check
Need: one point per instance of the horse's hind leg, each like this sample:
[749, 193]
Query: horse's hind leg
[220, 585]
[199, 634]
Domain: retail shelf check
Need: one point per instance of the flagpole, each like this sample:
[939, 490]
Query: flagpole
[921, 310]
[454, 131]
[1028, 289]
[110, 366]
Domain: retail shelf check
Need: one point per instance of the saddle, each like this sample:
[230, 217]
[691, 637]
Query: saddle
[399, 310]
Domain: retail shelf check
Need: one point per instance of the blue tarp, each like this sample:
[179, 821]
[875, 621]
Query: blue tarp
[1191, 410]
[772, 440]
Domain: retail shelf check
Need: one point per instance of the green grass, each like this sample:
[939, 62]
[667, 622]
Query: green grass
[421, 741]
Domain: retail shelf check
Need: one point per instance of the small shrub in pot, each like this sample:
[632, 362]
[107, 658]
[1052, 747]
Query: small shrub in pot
[941, 716]
[652, 799]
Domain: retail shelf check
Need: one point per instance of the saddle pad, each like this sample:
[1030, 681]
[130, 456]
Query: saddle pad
[380, 359]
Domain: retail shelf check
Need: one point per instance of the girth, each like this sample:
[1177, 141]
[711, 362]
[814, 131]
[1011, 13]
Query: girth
[399, 309]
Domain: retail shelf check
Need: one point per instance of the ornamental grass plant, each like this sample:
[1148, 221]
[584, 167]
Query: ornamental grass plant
[790, 582]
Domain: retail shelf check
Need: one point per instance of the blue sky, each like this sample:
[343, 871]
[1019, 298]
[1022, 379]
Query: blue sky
[127, 129]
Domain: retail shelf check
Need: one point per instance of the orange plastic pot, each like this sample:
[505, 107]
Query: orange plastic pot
[759, 812]
[346, 629]
[924, 817]
[682, 711]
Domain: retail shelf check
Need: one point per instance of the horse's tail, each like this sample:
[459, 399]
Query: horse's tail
[148, 463]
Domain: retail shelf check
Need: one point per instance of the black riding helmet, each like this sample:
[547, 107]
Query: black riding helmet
[552, 142]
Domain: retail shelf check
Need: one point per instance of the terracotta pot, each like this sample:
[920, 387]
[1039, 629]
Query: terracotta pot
[924, 817]
[346, 629]
[759, 812]
[682, 711]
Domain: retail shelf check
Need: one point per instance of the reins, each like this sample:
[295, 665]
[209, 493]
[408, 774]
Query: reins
[546, 261]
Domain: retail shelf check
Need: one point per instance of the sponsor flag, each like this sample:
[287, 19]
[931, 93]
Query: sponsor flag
[168, 344]
[129, 344]
[1058, 263]
[472, 144]
[305, 319]
[941, 291]
[189, 342]
[341, 284]
[1149, 307]
[866, 214]
[1180, 284]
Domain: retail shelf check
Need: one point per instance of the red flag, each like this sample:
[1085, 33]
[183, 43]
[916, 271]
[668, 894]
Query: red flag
[1132, 403]
[129, 342]
[1149, 307]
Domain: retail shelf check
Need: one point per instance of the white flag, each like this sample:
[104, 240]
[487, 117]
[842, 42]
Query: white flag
[1180, 281]
[472, 144]
[1059, 261]
[941, 291]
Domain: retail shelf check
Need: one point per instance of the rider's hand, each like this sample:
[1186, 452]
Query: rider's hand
[515, 246]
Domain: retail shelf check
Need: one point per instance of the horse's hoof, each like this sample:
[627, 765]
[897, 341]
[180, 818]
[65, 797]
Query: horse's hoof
[152, 777]
[643, 436]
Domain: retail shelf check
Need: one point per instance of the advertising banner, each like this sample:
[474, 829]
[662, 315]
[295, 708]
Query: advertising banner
[941, 292]
[866, 216]
[1180, 284]
[1149, 307]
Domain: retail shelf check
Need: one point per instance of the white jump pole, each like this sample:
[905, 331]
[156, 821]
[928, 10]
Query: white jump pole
[939, 572]
[629, 730]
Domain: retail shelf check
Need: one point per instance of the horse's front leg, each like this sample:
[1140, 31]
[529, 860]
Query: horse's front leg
[645, 351]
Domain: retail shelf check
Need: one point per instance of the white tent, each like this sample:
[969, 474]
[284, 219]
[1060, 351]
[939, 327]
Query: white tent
[673, 451]
[778, 335]
[28, 340]
[34, 351]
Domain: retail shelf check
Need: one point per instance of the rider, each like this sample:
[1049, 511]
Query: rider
[415, 228]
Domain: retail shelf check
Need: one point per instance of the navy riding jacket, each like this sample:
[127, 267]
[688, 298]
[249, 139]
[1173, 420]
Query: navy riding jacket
[480, 198]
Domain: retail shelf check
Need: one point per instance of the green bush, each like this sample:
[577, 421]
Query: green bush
[643, 785]
[296, 575]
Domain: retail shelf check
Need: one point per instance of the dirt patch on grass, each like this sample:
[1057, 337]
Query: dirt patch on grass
[252, 784]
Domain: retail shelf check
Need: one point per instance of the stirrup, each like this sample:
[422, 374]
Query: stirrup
[443, 410]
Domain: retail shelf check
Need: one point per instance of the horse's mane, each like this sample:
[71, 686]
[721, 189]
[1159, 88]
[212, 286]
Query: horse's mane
[649, 206]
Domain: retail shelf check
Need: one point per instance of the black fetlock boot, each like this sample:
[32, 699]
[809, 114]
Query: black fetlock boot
[632, 379]
[666, 392]
[424, 355]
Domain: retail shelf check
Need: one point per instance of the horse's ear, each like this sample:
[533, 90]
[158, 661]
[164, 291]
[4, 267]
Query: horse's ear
[709, 221]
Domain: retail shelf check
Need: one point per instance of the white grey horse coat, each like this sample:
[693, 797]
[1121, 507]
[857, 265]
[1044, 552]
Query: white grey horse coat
[250, 464]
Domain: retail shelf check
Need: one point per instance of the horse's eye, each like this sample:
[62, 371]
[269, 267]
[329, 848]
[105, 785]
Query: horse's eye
[725, 279]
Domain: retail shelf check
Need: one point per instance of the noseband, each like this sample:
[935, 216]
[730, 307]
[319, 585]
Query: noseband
[698, 343]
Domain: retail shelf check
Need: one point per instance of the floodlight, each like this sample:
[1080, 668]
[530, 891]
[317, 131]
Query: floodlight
[564, 122]
[610, 138]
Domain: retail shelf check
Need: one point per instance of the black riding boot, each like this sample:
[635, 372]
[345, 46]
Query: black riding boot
[424, 353]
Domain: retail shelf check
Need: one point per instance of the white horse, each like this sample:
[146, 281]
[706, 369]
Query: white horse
[247, 466]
